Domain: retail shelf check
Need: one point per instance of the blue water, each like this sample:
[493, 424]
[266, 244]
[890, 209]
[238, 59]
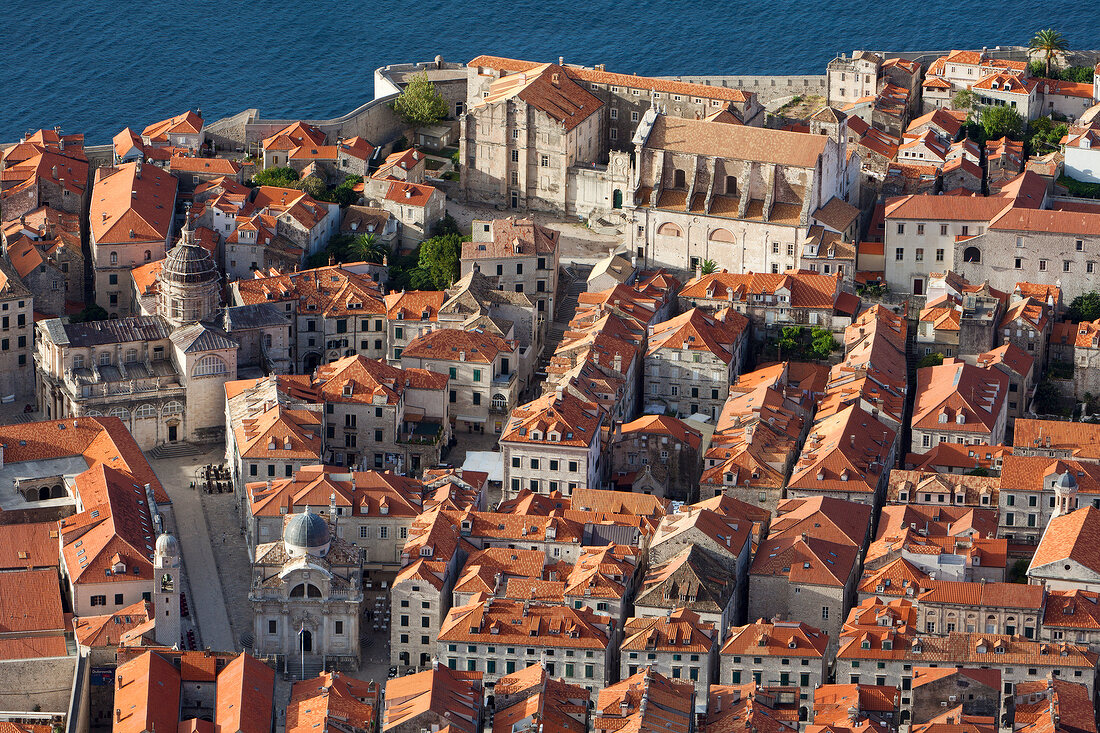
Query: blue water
[95, 67]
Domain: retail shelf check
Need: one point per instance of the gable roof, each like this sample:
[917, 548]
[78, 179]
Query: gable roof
[547, 88]
[740, 142]
[125, 200]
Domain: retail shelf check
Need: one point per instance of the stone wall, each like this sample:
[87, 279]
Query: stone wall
[47, 683]
[767, 88]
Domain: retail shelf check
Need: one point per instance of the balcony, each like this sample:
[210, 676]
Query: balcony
[420, 433]
[504, 381]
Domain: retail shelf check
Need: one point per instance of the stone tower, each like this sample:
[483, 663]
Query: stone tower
[189, 286]
[1065, 495]
[166, 590]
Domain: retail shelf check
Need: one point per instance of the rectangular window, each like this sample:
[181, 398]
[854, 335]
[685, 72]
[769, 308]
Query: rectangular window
[1019, 264]
[1065, 265]
[939, 255]
[1079, 245]
[920, 228]
[515, 156]
[919, 254]
[1042, 265]
[901, 229]
[272, 626]
[943, 230]
[899, 254]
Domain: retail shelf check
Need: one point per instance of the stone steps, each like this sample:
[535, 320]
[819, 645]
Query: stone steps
[175, 450]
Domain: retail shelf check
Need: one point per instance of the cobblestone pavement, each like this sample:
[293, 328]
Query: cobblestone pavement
[577, 243]
[206, 600]
[234, 564]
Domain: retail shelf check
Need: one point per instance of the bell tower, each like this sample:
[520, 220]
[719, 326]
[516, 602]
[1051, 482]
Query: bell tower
[166, 591]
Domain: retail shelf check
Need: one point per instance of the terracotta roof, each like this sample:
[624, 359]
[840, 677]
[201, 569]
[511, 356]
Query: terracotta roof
[244, 696]
[554, 704]
[1080, 440]
[837, 214]
[843, 453]
[1010, 356]
[941, 120]
[779, 638]
[185, 123]
[547, 88]
[563, 419]
[917, 483]
[294, 135]
[680, 631]
[824, 517]
[956, 455]
[118, 215]
[358, 493]
[513, 238]
[1074, 536]
[696, 330]
[30, 605]
[357, 379]
[805, 560]
[452, 344]
[213, 166]
[632, 81]
[501, 621]
[435, 692]
[618, 502]
[975, 649]
[803, 288]
[1050, 705]
[643, 703]
[983, 595]
[958, 397]
[110, 629]
[147, 695]
[28, 546]
[682, 135]
[749, 708]
[329, 291]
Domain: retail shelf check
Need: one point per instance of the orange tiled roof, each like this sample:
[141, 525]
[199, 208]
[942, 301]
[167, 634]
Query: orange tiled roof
[843, 453]
[244, 696]
[452, 344]
[530, 624]
[803, 289]
[118, 215]
[109, 629]
[435, 692]
[147, 695]
[513, 238]
[779, 638]
[667, 705]
[28, 545]
[1074, 536]
[959, 397]
[696, 330]
[186, 123]
[563, 419]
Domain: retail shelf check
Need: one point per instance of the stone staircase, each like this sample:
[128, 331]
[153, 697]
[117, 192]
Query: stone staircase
[314, 666]
[575, 277]
[175, 450]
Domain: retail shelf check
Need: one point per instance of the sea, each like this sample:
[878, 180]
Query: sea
[96, 67]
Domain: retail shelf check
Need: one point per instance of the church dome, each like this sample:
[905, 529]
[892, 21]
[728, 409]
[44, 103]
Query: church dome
[188, 263]
[168, 546]
[306, 534]
[1066, 482]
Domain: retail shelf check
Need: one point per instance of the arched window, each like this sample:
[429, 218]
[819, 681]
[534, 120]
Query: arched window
[119, 412]
[722, 235]
[146, 411]
[93, 413]
[173, 408]
[668, 229]
[208, 366]
[972, 254]
[131, 356]
[305, 590]
[114, 258]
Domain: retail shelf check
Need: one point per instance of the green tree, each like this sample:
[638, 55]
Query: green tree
[438, 262]
[275, 177]
[366, 247]
[344, 194]
[933, 359]
[963, 100]
[1001, 121]
[822, 343]
[1049, 43]
[789, 339]
[91, 312]
[420, 103]
[1084, 308]
[708, 267]
[313, 186]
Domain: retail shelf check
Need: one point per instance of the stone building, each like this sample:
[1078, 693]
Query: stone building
[553, 443]
[976, 692]
[679, 646]
[17, 308]
[473, 303]
[1020, 368]
[784, 653]
[388, 418]
[959, 403]
[701, 190]
[851, 78]
[496, 636]
[306, 593]
[1072, 615]
[370, 509]
[560, 104]
[334, 311]
[482, 370]
[131, 217]
[692, 359]
[989, 608]
[517, 255]
[694, 579]
[665, 446]
[771, 301]
[162, 374]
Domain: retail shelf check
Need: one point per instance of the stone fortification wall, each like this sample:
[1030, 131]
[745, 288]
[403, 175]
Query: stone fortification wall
[766, 87]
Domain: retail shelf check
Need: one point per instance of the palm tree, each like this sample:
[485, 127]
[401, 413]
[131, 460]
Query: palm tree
[708, 266]
[1048, 42]
[368, 248]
